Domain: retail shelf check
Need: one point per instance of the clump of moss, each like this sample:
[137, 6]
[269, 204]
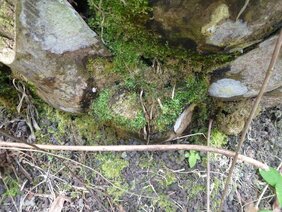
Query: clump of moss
[111, 165]
[218, 139]
[105, 111]
[61, 125]
[194, 91]
[12, 188]
[8, 94]
[125, 33]
[164, 203]
[217, 186]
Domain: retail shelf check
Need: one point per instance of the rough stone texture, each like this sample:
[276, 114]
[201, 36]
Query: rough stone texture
[272, 98]
[215, 24]
[233, 115]
[52, 41]
[7, 28]
[250, 70]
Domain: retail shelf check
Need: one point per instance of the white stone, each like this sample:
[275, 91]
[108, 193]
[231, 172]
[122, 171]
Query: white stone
[227, 88]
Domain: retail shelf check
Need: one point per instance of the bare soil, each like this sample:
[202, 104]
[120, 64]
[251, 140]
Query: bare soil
[160, 181]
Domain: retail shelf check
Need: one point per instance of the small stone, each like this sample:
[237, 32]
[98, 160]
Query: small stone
[227, 88]
[184, 120]
[94, 90]
[124, 155]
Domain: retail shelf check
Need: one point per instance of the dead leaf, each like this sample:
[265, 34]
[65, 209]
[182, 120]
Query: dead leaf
[58, 203]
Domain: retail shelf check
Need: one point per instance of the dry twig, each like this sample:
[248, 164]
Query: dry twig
[122, 148]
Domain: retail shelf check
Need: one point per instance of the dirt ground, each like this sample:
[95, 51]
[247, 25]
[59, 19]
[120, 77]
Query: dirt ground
[133, 181]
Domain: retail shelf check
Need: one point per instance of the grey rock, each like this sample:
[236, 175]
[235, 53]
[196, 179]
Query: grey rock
[47, 47]
[213, 25]
[248, 71]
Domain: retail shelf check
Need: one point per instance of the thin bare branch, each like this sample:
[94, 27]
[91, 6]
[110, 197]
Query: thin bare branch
[252, 114]
[122, 148]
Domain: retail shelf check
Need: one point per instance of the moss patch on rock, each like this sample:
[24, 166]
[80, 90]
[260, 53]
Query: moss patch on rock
[8, 94]
[61, 127]
[119, 110]
[232, 116]
[141, 61]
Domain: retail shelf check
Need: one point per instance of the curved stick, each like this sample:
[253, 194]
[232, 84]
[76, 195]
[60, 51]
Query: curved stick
[122, 148]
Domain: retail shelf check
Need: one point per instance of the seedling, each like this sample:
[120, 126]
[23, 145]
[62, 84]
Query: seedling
[274, 179]
[193, 157]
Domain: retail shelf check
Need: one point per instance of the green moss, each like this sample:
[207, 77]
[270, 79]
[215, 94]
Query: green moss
[123, 28]
[116, 192]
[108, 113]
[169, 178]
[217, 186]
[12, 187]
[137, 51]
[164, 203]
[111, 165]
[194, 91]
[195, 190]
[124, 31]
[60, 125]
[8, 94]
[218, 139]
[100, 106]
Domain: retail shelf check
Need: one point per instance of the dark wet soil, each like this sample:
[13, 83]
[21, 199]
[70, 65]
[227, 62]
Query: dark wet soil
[160, 181]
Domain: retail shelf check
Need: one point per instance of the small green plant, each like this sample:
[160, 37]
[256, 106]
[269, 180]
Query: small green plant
[12, 187]
[192, 157]
[274, 179]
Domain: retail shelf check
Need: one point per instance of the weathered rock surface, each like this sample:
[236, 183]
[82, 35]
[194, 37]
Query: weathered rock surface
[249, 71]
[272, 98]
[215, 24]
[7, 31]
[233, 115]
[52, 43]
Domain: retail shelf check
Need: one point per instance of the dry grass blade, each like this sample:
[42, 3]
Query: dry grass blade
[252, 114]
[208, 168]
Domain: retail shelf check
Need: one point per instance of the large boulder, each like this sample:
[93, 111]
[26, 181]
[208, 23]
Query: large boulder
[215, 24]
[47, 43]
